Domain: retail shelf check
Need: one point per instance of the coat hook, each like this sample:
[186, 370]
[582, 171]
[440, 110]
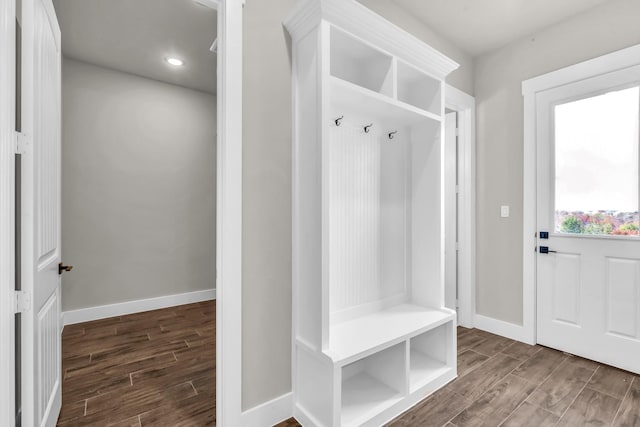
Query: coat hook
[338, 120]
[392, 134]
[367, 128]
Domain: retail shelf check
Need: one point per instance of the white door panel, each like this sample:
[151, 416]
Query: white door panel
[588, 285]
[623, 306]
[42, 397]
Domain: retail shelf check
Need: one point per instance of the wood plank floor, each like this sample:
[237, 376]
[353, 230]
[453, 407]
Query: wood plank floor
[506, 383]
[147, 369]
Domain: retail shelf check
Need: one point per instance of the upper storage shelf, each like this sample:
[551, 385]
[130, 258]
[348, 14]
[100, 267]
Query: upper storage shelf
[419, 89]
[361, 64]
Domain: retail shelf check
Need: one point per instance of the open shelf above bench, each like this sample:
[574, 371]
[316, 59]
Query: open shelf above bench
[349, 98]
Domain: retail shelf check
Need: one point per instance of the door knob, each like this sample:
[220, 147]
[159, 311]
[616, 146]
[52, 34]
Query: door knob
[546, 250]
[62, 268]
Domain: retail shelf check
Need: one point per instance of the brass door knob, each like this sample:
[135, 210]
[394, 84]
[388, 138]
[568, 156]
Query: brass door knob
[62, 268]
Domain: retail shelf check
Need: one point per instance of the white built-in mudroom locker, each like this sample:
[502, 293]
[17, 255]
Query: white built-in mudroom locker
[372, 336]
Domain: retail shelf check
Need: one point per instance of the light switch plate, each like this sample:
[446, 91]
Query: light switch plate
[504, 211]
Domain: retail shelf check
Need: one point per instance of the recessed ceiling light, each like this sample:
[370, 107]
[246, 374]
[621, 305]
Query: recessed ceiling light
[175, 61]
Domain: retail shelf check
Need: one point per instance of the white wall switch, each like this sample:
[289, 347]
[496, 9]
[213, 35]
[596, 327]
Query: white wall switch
[504, 211]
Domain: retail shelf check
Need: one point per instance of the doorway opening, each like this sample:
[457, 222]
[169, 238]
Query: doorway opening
[138, 200]
[459, 204]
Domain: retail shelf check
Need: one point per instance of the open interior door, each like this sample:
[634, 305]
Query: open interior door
[40, 214]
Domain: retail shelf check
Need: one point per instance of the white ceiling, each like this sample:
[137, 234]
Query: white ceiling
[135, 36]
[480, 26]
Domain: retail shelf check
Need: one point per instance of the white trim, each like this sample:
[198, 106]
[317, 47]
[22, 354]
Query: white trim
[529, 224]
[269, 413]
[229, 215]
[465, 106]
[611, 62]
[129, 307]
[7, 210]
[604, 64]
[502, 328]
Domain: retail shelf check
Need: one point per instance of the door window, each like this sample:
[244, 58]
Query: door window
[596, 164]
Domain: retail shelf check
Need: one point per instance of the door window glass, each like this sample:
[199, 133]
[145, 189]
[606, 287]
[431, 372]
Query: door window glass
[596, 164]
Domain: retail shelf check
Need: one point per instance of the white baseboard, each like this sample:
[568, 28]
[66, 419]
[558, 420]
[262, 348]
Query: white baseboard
[269, 413]
[502, 328]
[130, 307]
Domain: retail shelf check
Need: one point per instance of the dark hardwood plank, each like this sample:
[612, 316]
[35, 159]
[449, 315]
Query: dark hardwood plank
[496, 404]
[129, 422]
[470, 340]
[478, 381]
[71, 413]
[629, 412]
[493, 345]
[125, 371]
[521, 351]
[560, 389]
[591, 408]
[189, 412]
[469, 360]
[611, 381]
[291, 422]
[538, 368]
[528, 415]
[434, 411]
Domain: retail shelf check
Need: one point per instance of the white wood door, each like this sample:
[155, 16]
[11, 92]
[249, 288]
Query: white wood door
[451, 211]
[41, 213]
[588, 284]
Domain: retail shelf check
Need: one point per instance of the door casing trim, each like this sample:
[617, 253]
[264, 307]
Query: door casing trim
[465, 106]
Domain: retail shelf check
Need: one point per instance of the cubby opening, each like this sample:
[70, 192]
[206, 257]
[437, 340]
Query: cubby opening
[358, 63]
[373, 384]
[419, 89]
[431, 355]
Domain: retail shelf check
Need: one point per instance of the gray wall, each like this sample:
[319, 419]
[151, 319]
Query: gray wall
[266, 293]
[498, 79]
[138, 187]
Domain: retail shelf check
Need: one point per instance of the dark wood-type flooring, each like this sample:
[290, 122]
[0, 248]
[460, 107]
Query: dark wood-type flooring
[506, 383]
[147, 369]
[158, 369]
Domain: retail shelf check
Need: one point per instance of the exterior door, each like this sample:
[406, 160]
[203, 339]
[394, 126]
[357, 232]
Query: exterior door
[588, 254]
[41, 125]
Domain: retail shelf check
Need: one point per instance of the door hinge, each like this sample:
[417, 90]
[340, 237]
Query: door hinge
[457, 189]
[457, 131]
[23, 301]
[458, 246]
[22, 143]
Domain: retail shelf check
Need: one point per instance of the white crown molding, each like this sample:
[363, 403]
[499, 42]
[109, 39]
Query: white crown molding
[360, 21]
